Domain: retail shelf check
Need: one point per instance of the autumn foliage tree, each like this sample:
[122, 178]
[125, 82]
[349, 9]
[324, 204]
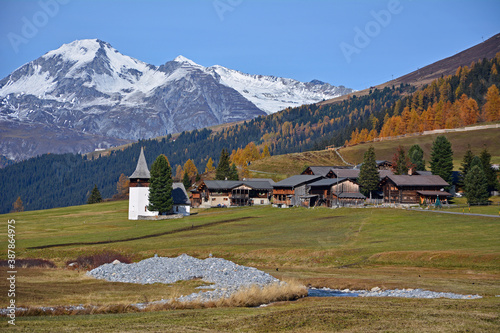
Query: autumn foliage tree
[210, 166]
[190, 169]
[401, 162]
[491, 109]
[18, 206]
[122, 187]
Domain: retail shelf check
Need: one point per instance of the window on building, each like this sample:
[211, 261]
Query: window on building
[262, 202]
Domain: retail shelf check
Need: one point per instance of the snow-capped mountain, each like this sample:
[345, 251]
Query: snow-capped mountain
[88, 88]
[272, 94]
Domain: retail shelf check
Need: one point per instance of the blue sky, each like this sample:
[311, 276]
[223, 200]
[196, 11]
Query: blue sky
[352, 43]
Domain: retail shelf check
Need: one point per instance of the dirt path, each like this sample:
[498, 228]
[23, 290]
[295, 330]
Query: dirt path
[193, 227]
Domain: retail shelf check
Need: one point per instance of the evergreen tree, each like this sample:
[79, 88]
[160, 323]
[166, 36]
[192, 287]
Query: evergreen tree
[464, 169]
[233, 173]
[223, 170]
[476, 187]
[368, 174]
[95, 196]
[489, 172]
[18, 206]
[442, 158]
[186, 181]
[160, 186]
[416, 155]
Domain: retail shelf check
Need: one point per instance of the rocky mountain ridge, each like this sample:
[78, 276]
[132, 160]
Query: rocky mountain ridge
[89, 91]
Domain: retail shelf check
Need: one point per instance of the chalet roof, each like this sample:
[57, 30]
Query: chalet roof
[434, 193]
[141, 171]
[180, 195]
[268, 180]
[378, 162]
[222, 184]
[320, 170]
[346, 173]
[297, 180]
[327, 182]
[417, 180]
[261, 184]
[384, 173]
[351, 195]
[424, 173]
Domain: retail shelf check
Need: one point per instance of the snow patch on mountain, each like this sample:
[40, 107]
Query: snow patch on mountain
[272, 94]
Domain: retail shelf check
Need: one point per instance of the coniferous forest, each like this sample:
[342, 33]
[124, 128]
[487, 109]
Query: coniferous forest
[52, 180]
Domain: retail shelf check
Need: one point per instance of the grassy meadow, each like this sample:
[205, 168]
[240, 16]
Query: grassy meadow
[338, 248]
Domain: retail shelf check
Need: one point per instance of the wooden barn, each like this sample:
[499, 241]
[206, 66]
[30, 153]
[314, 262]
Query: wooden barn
[413, 189]
[337, 192]
[294, 191]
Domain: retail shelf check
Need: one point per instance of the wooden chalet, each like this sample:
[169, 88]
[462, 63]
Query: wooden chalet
[294, 191]
[224, 193]
[413, 189]
[337, 192]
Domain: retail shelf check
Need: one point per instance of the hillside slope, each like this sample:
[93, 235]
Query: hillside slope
[477, 139]
[444, 67]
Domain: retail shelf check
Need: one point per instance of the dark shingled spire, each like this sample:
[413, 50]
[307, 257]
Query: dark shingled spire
[141, 171]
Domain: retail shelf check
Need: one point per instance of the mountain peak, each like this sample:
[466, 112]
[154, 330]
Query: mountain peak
[182, 59]
[79, 50]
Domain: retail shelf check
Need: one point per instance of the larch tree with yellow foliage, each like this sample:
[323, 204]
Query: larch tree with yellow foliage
[491, 109]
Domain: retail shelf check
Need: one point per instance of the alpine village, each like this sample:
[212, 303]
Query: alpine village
[387, 196]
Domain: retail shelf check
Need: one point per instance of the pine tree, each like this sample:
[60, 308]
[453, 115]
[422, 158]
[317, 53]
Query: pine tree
[160, 186]
[489, 172]
[476, 187]
[95, 196]
[368, 174]
[416, 155]
[233, 173]
[464, 169]
[442, 158]
[186, 181]
[18, 206]
[223, 170]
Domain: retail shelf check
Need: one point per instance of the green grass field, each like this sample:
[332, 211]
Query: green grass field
[340, 248]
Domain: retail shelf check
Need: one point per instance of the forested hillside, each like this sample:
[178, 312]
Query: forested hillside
[61, 180]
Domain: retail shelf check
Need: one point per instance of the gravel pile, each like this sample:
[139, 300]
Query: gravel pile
[226, 276]
[377, 292]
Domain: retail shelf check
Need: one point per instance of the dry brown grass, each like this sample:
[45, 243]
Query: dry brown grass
[251, 296]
